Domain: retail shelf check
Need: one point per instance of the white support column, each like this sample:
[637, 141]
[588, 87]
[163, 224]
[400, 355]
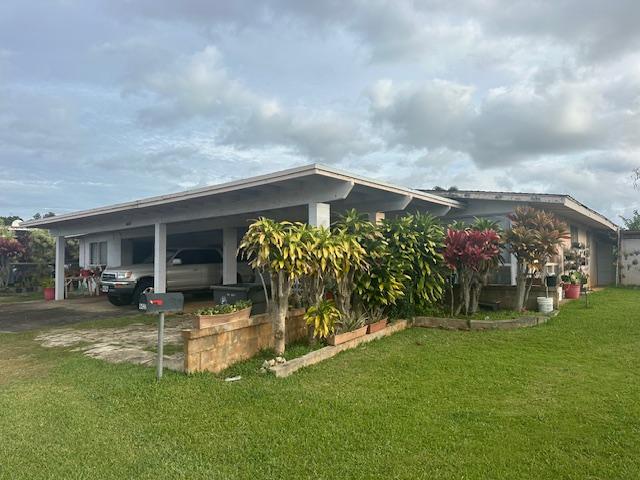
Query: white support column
[160, 259]
[375, 217]
[83, 259]
[229, 256]
[114, 250]
[319, 215]
[514, 269]
[59, 268]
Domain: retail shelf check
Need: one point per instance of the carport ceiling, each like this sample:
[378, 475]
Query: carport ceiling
[278, 194]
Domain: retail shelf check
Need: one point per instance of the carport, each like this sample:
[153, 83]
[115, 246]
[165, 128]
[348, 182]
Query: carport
[315, 194]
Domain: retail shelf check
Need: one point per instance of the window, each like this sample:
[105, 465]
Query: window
[574, 235]
[98, 253]
[195, 257]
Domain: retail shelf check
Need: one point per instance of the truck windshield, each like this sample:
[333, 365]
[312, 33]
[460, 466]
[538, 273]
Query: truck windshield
[170, 253]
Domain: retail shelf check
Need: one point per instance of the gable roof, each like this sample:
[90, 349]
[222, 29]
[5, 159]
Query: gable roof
[557, 203]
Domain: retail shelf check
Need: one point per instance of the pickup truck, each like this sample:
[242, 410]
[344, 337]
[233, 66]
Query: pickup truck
[188, 270]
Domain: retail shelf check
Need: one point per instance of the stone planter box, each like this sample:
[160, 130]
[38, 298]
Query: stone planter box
[206, 321]
[345, 337]
[376, 327]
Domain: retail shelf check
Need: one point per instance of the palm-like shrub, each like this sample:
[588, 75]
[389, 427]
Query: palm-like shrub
[472, 254]
[534, 237]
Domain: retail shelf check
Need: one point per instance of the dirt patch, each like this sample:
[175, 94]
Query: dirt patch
[131, 344]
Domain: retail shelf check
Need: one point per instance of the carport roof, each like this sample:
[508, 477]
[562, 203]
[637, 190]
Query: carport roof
[313, 173]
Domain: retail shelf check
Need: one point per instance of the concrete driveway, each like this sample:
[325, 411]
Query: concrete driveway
[35, 315]
[19, 317]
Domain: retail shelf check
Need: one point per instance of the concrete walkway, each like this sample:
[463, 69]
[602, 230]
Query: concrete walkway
[34, 315]
[135, 343]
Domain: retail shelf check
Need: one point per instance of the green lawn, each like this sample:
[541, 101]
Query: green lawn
[561, 400]
[6, 298]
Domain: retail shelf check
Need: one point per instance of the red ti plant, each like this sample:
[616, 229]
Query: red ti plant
[472, 254]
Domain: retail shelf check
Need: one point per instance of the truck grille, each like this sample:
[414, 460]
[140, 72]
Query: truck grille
[109, 277]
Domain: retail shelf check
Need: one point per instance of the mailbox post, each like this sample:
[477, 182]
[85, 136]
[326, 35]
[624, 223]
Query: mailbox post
[160, 303]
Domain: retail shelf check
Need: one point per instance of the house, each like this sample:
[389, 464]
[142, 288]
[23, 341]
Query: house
[593, 237]
[629, 258]
[218, 215]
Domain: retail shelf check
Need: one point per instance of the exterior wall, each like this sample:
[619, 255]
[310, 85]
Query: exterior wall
[216, 348]
[506, 295]
[630, 259]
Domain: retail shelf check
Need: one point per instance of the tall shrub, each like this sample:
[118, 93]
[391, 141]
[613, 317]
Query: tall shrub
[416, 242]
[472, 254]
[380, 285]
[534, 237]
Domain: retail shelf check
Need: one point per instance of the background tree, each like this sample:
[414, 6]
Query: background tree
[279, 249]
[10, 248]
[633, 222]
[534, 237]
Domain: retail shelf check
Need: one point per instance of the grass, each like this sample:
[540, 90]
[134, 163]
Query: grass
[558, 401]
[444, 312]
[6, 298]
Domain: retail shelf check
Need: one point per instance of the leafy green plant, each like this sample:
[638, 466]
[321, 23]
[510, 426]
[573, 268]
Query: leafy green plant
[381, 284]
[225, 308]
[47, 282]
[350, 322]
[416, 243]
[323, 317]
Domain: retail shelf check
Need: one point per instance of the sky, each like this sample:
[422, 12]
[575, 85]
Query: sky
[109, 101]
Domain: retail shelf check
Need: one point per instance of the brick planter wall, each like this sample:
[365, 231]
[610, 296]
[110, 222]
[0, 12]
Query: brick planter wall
[215, 348]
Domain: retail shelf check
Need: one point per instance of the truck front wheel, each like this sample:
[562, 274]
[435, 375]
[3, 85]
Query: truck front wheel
[144, 286]
[119, 300]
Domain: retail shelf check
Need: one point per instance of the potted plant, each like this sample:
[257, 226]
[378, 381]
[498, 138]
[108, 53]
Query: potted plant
[349, 327]
[376, 320]
[572, 289]
[48, 288]
[224, 313]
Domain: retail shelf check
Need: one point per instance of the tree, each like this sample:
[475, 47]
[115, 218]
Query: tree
[534, 237]
[633, 222]
[278, 248]
[636, 177]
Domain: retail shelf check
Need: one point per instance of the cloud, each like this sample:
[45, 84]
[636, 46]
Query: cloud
[200, 87]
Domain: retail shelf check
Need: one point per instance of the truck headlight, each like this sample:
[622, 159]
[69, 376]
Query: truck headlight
[123, 275]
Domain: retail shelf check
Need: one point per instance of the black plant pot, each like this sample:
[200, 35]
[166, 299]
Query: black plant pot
[552, 281]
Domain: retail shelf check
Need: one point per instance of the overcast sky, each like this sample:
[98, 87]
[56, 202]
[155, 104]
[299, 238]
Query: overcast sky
[107, 101]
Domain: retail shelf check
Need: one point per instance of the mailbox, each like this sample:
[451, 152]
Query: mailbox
[161, 302]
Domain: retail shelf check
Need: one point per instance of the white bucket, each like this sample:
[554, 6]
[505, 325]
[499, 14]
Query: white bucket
[545, 305]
